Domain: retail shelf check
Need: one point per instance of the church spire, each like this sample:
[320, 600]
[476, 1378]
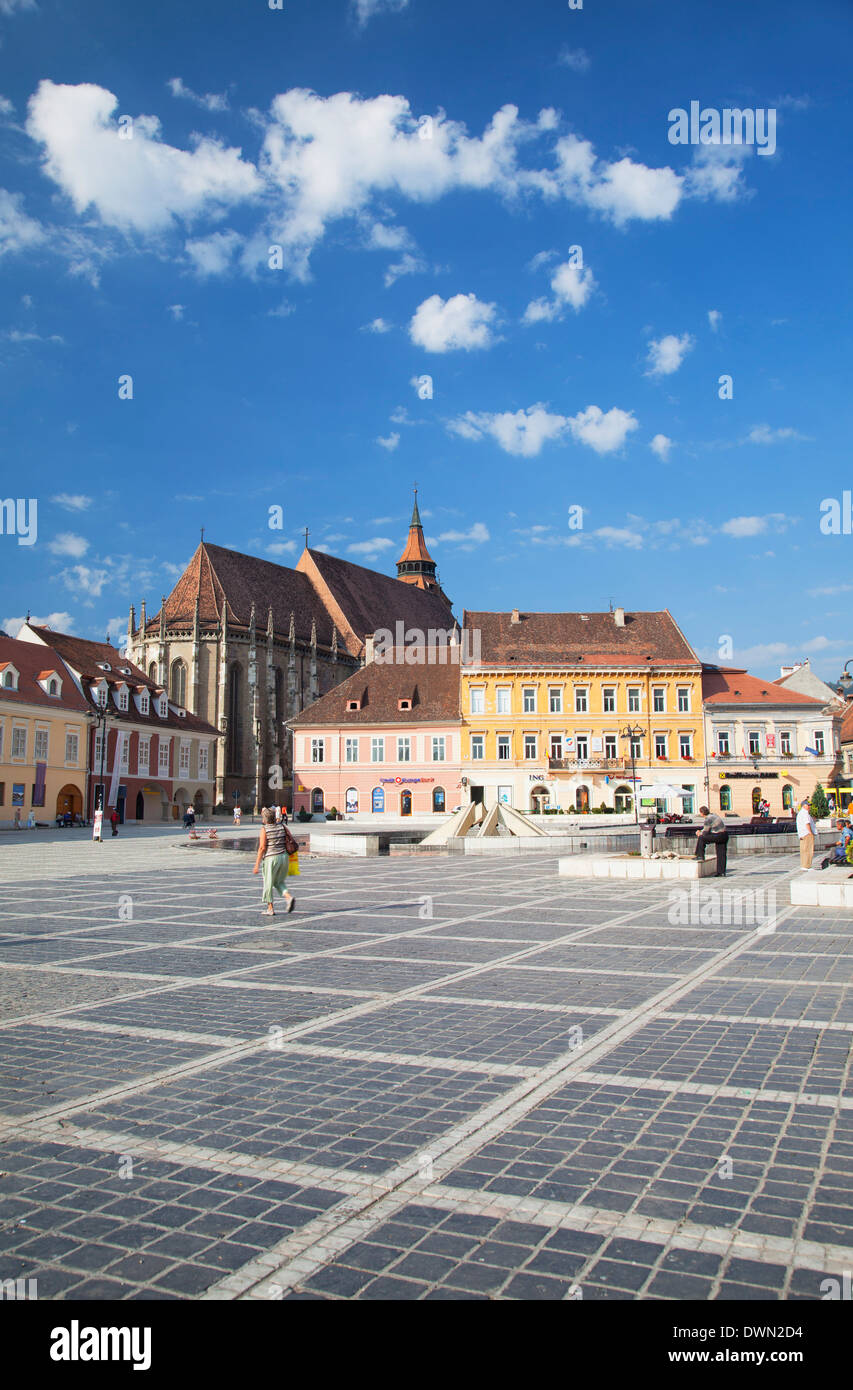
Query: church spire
[416, 565]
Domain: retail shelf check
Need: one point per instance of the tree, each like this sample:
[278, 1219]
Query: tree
[819, 806]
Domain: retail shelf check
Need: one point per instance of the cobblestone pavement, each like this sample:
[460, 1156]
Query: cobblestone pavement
[440, 1078]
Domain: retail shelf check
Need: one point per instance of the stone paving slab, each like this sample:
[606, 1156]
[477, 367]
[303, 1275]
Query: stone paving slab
[552, 1092]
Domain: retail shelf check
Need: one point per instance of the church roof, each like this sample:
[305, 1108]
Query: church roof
[361, 600]
[433, 693]
[596, 639]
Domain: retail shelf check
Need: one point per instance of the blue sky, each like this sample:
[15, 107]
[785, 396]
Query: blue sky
[425, 168]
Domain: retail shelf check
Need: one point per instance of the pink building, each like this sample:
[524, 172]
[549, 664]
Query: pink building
[385, 742]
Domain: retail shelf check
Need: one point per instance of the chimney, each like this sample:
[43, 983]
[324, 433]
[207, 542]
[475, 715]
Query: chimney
[619, 617]
[515, 616]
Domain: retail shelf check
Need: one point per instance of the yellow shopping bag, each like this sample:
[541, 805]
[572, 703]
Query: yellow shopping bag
[293, 865]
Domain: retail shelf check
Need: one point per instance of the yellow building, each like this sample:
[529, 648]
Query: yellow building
[582, 710]
[43, 736]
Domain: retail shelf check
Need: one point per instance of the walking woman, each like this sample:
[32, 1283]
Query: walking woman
[275, 846]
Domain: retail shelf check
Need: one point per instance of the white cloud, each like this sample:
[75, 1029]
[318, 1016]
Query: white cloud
[72, 502]
[619, 536]
[602, 431]
[667, 354]
[619, 191]
[213, 255]
[763, 434]
[17, 231]
[572, 286]
[282, 310]
[86, 580]
[524, 432]
[67, 543]
[714, 319]
[476, 535]
[371, 547]
[409, 265]
[211, 101]
[6, 106]
[741, 526]
[366, 9]
[116, 631]
[391, 442]
[462, 322]
[717, 172]
[377, 326]
[59, 622]
[281, 548]
[177, 311]
[661, 446]
[141, 184]
[10, 7]
[575, 58]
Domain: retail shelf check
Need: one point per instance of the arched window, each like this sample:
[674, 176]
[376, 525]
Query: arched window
[582, 799]
[178, 684]
[438, 798]
[152, 671]
[756, 800]
[279, 706]
[318, 804]
[787, 798]
[725, 798]
[9, 681]
[53, 688]
[623, 799]
[234, 764]
[351, 801]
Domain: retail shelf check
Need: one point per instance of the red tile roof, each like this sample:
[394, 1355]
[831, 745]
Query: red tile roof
[379, 686]
[730, 685]
[363, 600]
[29, 658]
[595, 639]
[847, 724]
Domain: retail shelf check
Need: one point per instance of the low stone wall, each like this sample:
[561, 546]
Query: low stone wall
[597, 866]
[785, 843]
[359, 846]
[569, 844]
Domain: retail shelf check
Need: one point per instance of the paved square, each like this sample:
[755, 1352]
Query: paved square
[441, 1078]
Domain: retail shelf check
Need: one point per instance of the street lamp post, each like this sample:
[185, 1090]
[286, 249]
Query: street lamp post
[631, 734]
[99, 723]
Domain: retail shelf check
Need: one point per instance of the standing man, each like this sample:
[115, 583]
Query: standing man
[114, 820]
[806, 828]
[713, 832]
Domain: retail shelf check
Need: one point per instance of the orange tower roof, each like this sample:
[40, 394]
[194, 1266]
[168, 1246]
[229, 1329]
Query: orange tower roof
[416, 565]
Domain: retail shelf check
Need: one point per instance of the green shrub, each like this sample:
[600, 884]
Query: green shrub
[819, 806]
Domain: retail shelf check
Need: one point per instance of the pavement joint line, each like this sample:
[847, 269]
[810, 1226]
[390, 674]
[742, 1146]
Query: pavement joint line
[510, 1004]
[776, 1021]
[443, 1063]
[704, 1088]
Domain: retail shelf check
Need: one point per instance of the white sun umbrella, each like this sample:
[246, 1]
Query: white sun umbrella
[672, 791]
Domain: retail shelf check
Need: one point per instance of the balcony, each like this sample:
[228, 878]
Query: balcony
[588, 764]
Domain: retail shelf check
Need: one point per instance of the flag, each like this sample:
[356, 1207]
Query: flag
[814, 751]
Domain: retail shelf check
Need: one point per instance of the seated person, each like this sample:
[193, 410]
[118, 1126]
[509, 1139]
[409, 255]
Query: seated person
[838, 852]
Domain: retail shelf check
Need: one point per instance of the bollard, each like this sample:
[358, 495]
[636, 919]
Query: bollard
[647, 840]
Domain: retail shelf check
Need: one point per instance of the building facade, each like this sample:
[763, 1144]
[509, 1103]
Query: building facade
[146, 755]
[582, 711]
[246, 645]
[766, 742]
[385, 742]
[43, 736]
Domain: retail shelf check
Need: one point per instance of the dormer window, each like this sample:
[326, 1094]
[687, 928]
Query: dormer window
[353, 705]
[144, 702]
[104, 666]
[10, 676]
[163, 706]
[50, 683]
[404, 704]
[99, 694]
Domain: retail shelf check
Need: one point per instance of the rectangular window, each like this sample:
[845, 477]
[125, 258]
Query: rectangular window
[610, 699]
[438, 744]
[636, 750]
[633, 699]
[685, 745]
[125, 752]
[502, 693]
[318, 750]
[723, 745]
[163, 764]
[684, 699]
[40, 749]
[72, 748]
[659, 699]
[555, 700]
[202, 762]
[556, 746]
[478, 747]
[610, 745]
[818, 740]
[377, 750]
[19, 743]
[351, 750]
[503, 747]
[583, 747]
[478, 699]
[404, 750]
[2, 793]
[754, 743]
[530, 699]
[184, 761]
[580, 702]
[660, 745]
[142, 756]
[785, 743]
[529, 746]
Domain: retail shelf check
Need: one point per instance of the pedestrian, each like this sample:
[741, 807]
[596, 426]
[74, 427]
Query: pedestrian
[237, 814]
[189, 818]
[806, 828]
[838, 852]
[18, 825]
[713, 832]
[114, 820]
[275, 846]
[277, 815]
